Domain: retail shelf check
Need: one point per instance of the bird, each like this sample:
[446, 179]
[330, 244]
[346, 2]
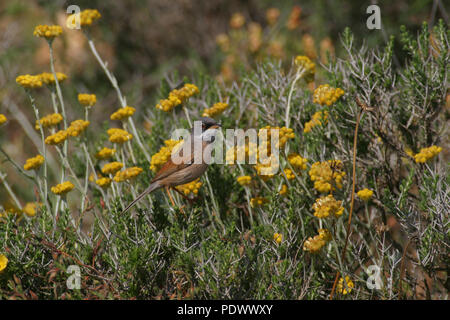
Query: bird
[171, 174]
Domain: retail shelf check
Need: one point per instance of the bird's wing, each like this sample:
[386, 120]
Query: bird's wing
[169, 167]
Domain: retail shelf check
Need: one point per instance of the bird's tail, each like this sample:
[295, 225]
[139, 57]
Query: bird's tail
[155, 185]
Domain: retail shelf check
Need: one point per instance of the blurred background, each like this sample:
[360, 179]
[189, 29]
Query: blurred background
[145, 41]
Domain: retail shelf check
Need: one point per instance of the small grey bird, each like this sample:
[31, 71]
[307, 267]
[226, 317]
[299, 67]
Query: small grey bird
[171, 174]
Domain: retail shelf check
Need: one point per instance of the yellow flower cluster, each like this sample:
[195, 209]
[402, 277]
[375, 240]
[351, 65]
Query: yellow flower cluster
[29, 81]
[2, 119]
[57, 138]
[313, 245]
[34, 163]
[30, 208]
[277, 237]
[48, 77]
[112, 167]
[326, 95]
[86, 99]
[177, 97]
[215, 110]
[127, 174]
[327, 175]
[3, 262]
[250, 149]
[86, 17]
[326, 206]
[319, 118]
[344, 289]
[103, 182]
[289, 174]
[365, 194]
[284, 190]
[62, 188]
[191, 187]
[161, 157]
[49, 121]
[309, 67]
[123, 113]
[105, 153]
[258, 201]
[267, 170]
[237, 20]
[117, 135]
[77, 127]
[297, 161]
[48, 32]
[244, 180]
[426, 154]
[284, 134]
[272, 15]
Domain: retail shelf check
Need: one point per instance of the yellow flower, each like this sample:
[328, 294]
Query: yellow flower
[326, 206]
[57, 138]
[327, 175]
[105, 153]
[237, 20]
[3, 262]
[409, 152]
[284, 190]
[191, 187]
[86, 99]
[305, 65]
[277, 237]
[2, 119]
[62, 188]
[294, 18]
[86, 18]
[77, 127]
[258, 201]
[267, 170]
[284, 134]
[112, 167]
[247, 151]
[427, 154]
[103, 182]
[215, 110]
[123, 113]
[345, 289]
[29, 81]
[272, 15]
[127, 174]
[289, 174]
[49, 121]
[326, 95]
[30, 208]
[48, 77]
[117, 135]
[319, 118]
[365, 194]
[244, 180]
[34, 163]
[161, 157]
[325, 235]
[313, 245]
[297, 161]
[177, 97]
[48, 32]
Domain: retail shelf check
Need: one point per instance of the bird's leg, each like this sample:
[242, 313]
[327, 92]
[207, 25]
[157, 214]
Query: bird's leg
[183, 195]
[171, 199]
